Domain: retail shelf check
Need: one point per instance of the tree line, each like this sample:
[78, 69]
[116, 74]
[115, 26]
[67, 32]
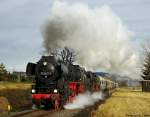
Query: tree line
[3, 72]
[13, 77]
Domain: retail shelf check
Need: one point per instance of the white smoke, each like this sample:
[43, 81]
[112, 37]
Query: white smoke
[84, 100]
[98, 35]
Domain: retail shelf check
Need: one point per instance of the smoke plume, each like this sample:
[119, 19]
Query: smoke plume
[102, 41]
[84, 100]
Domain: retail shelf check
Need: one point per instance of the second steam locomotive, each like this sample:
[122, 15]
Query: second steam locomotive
[57, 83]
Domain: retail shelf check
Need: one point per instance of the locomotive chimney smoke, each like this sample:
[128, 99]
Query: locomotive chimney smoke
[84, 100]
[102, 41]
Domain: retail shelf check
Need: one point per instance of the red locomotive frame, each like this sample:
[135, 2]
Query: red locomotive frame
[75, 88]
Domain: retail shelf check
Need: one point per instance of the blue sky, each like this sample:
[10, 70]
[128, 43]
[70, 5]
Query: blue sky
[21, 20]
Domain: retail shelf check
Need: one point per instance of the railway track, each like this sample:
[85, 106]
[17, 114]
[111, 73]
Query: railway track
[87, 112]
[49, 113]
[34, 113]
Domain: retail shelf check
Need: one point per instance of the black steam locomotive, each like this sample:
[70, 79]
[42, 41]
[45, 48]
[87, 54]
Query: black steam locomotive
[57, 83]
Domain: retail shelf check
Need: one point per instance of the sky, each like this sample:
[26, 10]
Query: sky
[21, 22]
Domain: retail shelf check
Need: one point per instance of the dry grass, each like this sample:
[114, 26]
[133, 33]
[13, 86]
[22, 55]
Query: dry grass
[126, 103]
[3, 105]
[9, 85]
[17, 94]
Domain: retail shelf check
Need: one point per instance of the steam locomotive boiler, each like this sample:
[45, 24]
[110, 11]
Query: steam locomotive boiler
[57, 83]
[52, 82]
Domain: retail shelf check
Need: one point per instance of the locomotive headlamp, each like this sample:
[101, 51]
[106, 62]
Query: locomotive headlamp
[44, 63]
[55, 91]
[33, 90]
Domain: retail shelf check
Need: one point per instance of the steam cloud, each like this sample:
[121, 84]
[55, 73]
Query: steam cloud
[83, 100]
[98, 35]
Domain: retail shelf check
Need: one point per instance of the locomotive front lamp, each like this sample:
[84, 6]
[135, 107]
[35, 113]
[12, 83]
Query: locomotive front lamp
[44, 63]
[55, 91]
[33, 90]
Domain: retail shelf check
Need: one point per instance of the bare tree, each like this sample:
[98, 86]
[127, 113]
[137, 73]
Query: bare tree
[55, 52]
[68, 55]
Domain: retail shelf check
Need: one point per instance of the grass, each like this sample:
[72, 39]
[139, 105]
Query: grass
[13, 85]
[125, 103]
[3, 105]
[17, 94]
